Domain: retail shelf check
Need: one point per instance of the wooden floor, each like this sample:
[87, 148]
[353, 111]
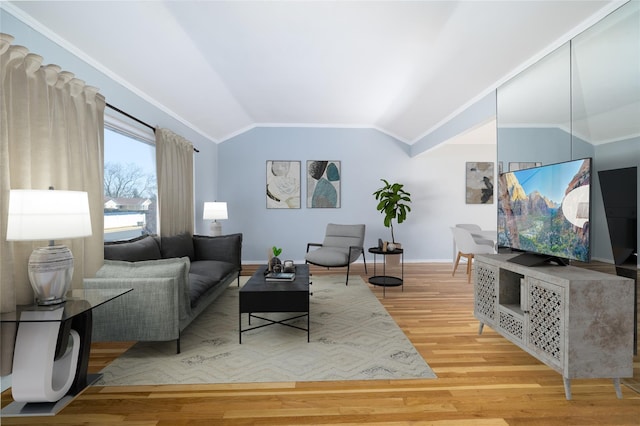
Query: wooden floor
[482, 380]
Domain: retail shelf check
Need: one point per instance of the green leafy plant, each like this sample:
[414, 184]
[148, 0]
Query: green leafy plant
[393, 203]
[276, 251]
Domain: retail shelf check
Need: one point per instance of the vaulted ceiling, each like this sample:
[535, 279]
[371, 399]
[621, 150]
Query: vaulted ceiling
[222, 67]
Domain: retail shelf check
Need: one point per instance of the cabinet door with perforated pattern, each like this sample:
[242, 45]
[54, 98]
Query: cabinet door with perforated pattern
[485, 288]
[544, 321]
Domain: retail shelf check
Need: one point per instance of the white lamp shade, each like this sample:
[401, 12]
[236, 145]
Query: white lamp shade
[215, 211]
[47, 215]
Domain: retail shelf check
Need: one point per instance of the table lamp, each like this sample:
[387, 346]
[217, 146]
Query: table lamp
[215, 211]
[49, 215]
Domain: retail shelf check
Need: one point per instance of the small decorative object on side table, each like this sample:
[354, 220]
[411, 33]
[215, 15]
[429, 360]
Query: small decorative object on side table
[274, 260]
[288, 266]
[385, 280]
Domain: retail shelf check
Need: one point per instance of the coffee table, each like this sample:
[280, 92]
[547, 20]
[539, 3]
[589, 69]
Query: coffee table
[262, 296]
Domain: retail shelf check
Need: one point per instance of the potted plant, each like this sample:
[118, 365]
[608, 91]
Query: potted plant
[393, 203]
[273, 257]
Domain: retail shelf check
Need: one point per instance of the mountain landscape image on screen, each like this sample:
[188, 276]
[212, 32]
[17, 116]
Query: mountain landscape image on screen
[545, 210]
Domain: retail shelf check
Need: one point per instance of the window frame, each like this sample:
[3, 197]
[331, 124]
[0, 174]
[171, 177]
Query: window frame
[119, 123]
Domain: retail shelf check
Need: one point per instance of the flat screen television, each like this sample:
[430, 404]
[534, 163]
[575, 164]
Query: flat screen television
[544, 213]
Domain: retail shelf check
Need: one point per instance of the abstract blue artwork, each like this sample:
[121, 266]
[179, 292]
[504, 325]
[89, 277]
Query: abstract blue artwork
[323, 184]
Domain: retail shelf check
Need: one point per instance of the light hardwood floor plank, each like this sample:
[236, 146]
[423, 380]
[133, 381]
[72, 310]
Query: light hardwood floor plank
[482, 380]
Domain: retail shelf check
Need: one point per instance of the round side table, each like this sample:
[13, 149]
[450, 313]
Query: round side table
[385, 280]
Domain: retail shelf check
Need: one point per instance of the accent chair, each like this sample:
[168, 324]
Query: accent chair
[342, 246]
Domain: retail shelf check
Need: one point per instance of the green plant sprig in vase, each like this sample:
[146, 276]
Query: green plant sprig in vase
[275, 260]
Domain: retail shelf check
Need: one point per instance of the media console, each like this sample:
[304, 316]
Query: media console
[577, 321]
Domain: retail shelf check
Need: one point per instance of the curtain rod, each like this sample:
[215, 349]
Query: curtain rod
[136, 119]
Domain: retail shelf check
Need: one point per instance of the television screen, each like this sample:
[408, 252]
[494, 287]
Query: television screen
[545, 211]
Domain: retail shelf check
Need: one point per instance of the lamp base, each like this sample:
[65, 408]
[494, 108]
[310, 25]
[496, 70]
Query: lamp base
[216, 229]
[50, 272]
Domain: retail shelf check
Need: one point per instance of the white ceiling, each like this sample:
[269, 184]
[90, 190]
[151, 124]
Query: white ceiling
[223, 67]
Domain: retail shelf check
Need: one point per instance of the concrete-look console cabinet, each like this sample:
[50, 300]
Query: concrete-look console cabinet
[577, 321]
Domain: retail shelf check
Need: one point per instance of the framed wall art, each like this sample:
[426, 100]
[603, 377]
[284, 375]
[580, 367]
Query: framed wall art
[479, 183]
[283, 184]
[323, 184]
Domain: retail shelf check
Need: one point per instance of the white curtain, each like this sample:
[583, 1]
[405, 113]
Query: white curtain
[51, 134]
[174, 165]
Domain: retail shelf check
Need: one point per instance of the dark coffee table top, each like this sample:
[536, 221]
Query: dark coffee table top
[257, 283]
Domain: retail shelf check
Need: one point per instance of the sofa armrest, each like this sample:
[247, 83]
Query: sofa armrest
[225, 248]
[148, 313]
[177, 268]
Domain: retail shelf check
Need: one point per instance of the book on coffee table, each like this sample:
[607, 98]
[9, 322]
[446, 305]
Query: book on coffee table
[280, 276]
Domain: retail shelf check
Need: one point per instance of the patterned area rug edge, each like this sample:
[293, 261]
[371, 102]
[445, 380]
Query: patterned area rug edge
[352, 338]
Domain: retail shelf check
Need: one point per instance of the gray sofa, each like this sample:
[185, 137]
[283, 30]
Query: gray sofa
[173, 280]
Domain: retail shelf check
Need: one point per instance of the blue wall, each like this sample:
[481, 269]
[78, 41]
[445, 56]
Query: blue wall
[436, 181]
[478, 112]
[366, 155]
[523, 144]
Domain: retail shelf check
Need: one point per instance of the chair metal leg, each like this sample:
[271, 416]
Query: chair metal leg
[347, 283]
[364, 259]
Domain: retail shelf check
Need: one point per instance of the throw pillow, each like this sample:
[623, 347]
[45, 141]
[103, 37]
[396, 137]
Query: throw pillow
[141, 248]
[226, 248]
[180, 245]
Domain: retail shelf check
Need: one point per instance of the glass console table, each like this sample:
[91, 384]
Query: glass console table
[51, 353]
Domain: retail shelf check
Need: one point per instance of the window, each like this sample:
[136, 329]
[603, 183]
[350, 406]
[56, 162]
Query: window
[130, 184]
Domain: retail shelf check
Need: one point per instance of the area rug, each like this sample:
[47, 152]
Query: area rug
[352, 338]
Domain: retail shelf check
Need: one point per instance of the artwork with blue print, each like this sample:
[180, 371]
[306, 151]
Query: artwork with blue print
[283, 184]
[323, 184]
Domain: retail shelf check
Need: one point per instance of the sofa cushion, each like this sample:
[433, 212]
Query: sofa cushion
[205, 274]
[198, 285]
[160, 268]
[227, 248]
[180, 245]
[142, 248]
[214, 269]
[328, 256]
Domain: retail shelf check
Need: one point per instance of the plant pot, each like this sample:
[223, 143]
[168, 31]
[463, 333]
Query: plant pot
[274, 261]
[393, 259]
